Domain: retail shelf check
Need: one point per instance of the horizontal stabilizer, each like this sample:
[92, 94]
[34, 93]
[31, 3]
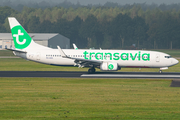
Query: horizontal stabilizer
[16, 50]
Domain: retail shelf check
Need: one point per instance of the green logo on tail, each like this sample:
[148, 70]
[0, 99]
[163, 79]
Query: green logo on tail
[20, 37]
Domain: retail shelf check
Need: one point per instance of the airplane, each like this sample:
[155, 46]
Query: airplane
[105, 60]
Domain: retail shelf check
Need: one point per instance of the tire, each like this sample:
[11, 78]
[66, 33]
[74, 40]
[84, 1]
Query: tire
[90, 71]
[94, 70]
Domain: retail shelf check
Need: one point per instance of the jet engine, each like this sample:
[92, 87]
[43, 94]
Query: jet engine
[109, 66]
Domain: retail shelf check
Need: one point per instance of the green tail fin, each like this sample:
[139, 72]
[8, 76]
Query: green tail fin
[20, 36]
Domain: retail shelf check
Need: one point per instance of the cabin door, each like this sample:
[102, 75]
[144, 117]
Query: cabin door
[157, 57]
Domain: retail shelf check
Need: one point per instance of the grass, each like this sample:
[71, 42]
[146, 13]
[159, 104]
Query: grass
[173, 53]
[6, 53]
[19, 64]
[80, 98]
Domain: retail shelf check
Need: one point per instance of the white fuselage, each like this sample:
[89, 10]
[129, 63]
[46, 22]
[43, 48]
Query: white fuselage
[106, 60]
[124, 58]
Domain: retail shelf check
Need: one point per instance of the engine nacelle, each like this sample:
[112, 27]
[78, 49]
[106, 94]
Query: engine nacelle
[109, 66]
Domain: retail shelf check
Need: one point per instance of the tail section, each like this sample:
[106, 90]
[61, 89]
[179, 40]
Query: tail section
[20, 37]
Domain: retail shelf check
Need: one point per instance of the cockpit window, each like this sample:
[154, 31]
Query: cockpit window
[167, 56]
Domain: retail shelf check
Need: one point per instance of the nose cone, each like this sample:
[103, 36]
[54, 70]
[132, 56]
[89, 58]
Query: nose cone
[175, 61]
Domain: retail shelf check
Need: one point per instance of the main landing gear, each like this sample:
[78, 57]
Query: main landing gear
[91, 70]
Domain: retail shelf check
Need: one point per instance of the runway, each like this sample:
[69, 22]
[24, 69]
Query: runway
[73, 74]
[40, 74]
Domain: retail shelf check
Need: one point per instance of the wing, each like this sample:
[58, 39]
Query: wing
[81, 62]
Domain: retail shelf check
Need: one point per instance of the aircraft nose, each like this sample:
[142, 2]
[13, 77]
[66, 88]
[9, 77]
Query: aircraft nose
[175, 61]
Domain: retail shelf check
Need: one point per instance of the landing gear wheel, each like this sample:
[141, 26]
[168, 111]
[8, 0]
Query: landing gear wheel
[94, 70]
[91, 70]
[160, 71]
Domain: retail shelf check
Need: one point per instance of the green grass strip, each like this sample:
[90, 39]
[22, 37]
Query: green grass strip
[82, 99]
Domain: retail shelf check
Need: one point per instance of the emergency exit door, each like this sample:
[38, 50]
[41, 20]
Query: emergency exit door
[38, 56]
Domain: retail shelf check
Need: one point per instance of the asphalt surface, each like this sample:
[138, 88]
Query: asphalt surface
[40, 74]
[165, 75]
[175, 83]
[74, 74]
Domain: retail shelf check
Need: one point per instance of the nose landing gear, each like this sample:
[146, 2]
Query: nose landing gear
[163, 68]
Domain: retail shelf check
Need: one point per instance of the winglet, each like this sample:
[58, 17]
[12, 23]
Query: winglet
[62, 52]
[75, 47]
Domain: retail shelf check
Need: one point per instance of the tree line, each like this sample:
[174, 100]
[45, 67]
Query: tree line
[102, 27]
[43, 4]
